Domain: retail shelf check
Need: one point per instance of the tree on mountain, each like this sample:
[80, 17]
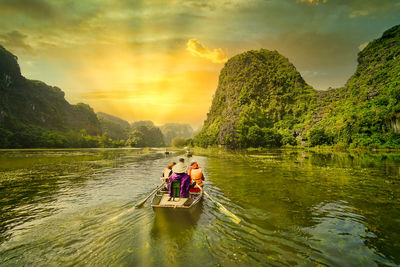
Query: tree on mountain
[144, 136]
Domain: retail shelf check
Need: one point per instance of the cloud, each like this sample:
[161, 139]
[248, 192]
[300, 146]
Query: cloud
[32, 8]
[201, 5]
[314, 2]
[358, 13]
[216, 55]
[14, 40]
[362, 46]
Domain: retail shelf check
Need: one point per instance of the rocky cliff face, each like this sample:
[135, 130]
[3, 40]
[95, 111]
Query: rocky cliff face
[33, 104]
[9, 68]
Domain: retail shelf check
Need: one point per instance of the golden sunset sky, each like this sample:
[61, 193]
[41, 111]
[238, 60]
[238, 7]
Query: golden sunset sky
[159, 60]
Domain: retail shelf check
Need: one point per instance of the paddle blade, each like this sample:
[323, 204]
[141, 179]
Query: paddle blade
[139, 205]
[231, 216]
[221, 208]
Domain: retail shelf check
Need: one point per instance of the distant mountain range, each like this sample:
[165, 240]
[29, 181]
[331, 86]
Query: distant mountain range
[262, 100]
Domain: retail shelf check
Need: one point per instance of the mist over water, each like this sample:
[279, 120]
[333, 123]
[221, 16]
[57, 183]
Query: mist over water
[76, 207]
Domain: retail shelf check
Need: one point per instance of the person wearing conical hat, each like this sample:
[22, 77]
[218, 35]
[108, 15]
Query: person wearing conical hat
[179, 174]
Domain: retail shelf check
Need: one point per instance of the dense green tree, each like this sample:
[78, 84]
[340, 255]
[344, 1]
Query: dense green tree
[289, 139]
[178, 142]
[319, 137]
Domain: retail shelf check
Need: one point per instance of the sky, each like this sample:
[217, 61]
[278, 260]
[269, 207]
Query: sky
[160, 60]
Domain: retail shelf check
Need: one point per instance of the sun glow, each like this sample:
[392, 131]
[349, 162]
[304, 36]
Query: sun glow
[158, 87]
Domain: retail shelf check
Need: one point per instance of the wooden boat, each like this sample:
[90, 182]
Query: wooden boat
[162, 201]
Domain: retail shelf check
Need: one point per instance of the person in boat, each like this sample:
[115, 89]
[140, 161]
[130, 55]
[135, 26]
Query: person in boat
[179, 174]
[166, 174]
[197, 177]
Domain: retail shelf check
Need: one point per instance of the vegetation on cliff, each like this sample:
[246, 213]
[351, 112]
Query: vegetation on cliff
[366, 111]
[262, 100]
[33, 114]
[114, 127]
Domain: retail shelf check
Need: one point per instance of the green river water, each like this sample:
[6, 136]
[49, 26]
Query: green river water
[76, 208]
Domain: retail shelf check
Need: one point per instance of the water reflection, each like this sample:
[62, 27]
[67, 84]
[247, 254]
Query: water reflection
[280, 191]
[31, 181]
[341, 236]
[175, 227]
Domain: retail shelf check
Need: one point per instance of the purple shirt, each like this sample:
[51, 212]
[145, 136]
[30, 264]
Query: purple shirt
[185, 183]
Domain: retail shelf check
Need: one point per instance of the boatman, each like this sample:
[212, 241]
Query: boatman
[197, 176]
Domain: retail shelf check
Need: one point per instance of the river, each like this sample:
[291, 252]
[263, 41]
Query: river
[76, 208]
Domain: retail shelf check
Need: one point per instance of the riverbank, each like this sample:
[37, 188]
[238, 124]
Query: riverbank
[321, 149]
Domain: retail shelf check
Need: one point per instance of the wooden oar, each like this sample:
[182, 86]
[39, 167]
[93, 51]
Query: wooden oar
[144, 200]
[232, 216]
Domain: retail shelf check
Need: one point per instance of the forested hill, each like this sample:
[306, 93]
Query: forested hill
[262, 100]
[32, 114]
[114, 127]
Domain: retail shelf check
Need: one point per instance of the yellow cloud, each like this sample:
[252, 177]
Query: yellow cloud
[216, 55]
[359, 13]
[314, 2]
